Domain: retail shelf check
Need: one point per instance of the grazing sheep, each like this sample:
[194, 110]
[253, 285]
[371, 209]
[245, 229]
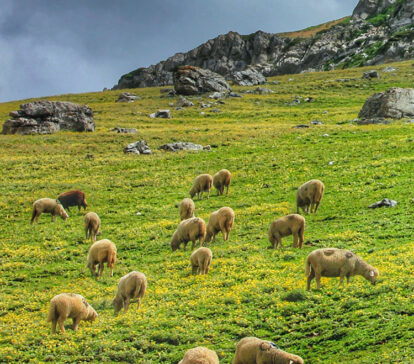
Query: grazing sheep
[100, 252]
[190, 229]
[201, 260]
[69, 305]
[332, 262]
[309, 194]
[220, 220]
[92, 225]
[73, 198]
[287, 225]
[251, 350]
[48, 205]
[200, 355]
[202, 183]
[222, 179]
[187, 208]
[130, 286]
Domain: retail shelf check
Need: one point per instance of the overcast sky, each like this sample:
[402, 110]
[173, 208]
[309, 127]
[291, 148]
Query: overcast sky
[51, 47]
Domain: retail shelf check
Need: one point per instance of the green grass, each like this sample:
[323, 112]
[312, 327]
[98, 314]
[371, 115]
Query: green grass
[250, 289]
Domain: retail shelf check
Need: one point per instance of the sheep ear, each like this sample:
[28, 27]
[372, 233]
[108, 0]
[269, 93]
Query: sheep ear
[371, 273]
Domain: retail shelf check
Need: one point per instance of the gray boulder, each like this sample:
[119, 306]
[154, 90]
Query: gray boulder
[175, 147]
[395, 103]
[249, 77]
[127, 97]
[125, 130]
[189, 80]
[370, 74]
[46, 117]
[138, 147]
[384, 202]
[183, 102]
[163, 114]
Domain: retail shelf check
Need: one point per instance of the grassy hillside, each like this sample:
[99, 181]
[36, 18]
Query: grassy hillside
[312, 30]
[250, 289]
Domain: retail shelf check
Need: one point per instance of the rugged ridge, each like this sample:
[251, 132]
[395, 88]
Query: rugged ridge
[379, 31]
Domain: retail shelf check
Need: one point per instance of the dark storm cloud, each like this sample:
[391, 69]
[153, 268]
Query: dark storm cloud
[58, 46]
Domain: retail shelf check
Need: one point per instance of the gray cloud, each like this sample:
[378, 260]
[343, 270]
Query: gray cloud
[55, 47]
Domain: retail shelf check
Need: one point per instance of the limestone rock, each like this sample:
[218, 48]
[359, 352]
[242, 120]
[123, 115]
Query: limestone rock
[163, 114]
[183, 102]
[248, 77]
[175, 147]
[370, 74]
[189, 80]
[138, 147]
[127, 97]
[384, 202]
[125, 130]
[395, 103]
[45, 117]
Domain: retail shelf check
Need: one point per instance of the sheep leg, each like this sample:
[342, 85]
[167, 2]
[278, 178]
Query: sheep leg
[295, 240]
[200, 195]
[101, 268]
[54, 322]
[227, 191]
[111, 265]
[208, 194]
[36, 219]
[139, 303]
[318, 280]
[126, 304]
[224, 232]
[194, 269]
[316, 206]
[310, 277]
[76, 321]
[193, 244]
[347, 278]
[60, 321]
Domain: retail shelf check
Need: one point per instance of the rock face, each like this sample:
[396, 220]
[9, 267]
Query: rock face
[358, 41]
[249, 77]
[189, 80]
[395, 103]
[46, 117]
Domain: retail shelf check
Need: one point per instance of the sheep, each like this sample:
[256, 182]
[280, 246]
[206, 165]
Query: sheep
[251, 350]
[332, 262]
[92, 225]
[48, 205]
[293, 224]
[222, 179]
[220, 220]
[69, 305]
[190, 229]
[73, 198]
[202, 183]
[201, 260]
[309, 194]
[130, 286]
[187, 208]
[100, 252]
[200, 355]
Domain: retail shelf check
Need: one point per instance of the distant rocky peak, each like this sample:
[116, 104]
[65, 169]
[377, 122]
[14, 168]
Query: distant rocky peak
[369, 8]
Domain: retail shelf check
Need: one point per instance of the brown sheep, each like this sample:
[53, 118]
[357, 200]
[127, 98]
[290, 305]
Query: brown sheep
[293, 224]
[332, 262]
[200, 355]
[202, 183]
[69, 305]
[309, 194]
[220, 220]
[201, 260]
[222, 179]
[48, 205]
[73, 198]
[92, 225]
[190, 229]
[251, 350]
[187, 208]
[100, 252]
[130, 286]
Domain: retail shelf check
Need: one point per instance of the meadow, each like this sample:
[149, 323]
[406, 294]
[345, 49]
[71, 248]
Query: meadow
[251, 290]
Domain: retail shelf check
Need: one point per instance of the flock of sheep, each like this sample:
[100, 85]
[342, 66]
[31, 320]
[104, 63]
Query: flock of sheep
[328, 262]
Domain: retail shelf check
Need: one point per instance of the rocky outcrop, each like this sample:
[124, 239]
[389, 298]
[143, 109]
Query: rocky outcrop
[379, 31]
[249, 77]
[395, 103]
[189, 80]
[46, 117]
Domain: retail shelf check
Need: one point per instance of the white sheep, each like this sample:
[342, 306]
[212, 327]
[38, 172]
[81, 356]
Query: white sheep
[293, 224]
[200, 260]
[220, 220]
[69, 305]
[200, 355]
[92, 225]
[332, 262]
[251, 350]
[132, 285]
[202, 183]
[187, 208]
[222, 179]
[309, 194]
[54, 207]
[100, 252]
[189, 230]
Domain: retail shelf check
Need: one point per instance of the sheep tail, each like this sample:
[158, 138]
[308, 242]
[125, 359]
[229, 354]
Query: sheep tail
[52, 312]
[307, 267]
